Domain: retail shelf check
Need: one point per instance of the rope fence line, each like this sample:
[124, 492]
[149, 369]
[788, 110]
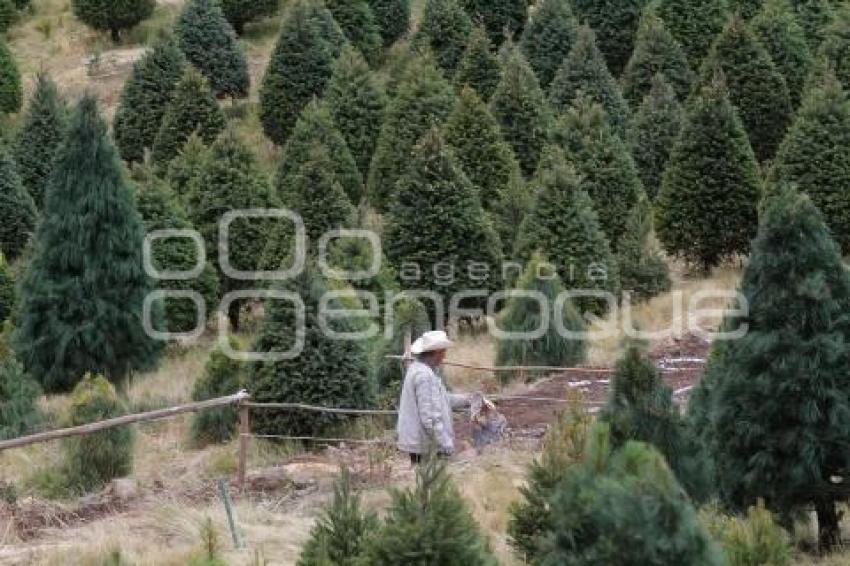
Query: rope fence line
[553, 369]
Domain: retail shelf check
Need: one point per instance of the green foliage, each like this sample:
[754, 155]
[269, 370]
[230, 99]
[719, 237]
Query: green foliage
[501, 18]
[93, 460]
[241, 12]
[509, 211]
[815, 155]
[601, 159]
[444, 29]
[356, 20]
[193, 109]
[409, 316]
[392, 18]
[746, 8]
[836, 45]
[785, 41]
[113, 16]
[146, 95]
[8, 14]
[7, 294]
[642, 269]
[357, 101]
[210, 44]
[520, 107]
[339, 534]
[80, 304]
[479, 67]
[753, 540]
[563, 226]
[653, 133]
[18, 213]
[300, 68]
[184, 171]
[756, 88]
[694, 23]
[222, 376]
[548, 38]
[424, 99]
[584, 72]
[656, 52]
[316, 126]
[429, 524]
[524, 314]
[616, 24]
[19, 412]
[330, 372]
[706, 210]
[474, 136]
[814, 16]
[11, 94]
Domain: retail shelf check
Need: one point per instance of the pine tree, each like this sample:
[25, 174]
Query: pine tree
[523, 314]
[193, 109]
[479, 67]
[785, 41]
[18, 213]
[331, 373]
[145, 97]
[756, 88]
[584, 71]
[563, 226]
[424, 99]
[315, 125]
[409, 316]
[429, 523]
[548, 38]
[653, 133]
[300, 68]
[656, 51]
[502, 18]
[520, 107]
[357, 101]
[11, 93]
[392, 18]
[339, 534]
[7, 296]
[643, 271]
[80, 308]
[444, 29]
[601, 159]
[222, 376]
[474, 136]
[184, 171]
[779, 401]
[746, 8]
[356, 20]
[706, 210]
[616, 24]
[241, 12]
[19, 412]
[815, 155]
[113, 16]
[695, 24]
[814, 16]
[509, 211]
[437, 217]
[836, 45]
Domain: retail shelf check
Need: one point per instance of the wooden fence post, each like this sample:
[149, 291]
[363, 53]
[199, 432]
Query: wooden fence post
[407, 358]
[244, 439]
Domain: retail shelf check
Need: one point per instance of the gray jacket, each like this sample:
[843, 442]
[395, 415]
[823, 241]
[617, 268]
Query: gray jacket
[425, 411]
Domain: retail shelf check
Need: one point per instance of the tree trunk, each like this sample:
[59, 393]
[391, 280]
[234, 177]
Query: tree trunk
[116, 34]
[829, 534]
[233, 315]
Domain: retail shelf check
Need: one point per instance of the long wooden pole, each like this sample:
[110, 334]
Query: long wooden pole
[319, 409]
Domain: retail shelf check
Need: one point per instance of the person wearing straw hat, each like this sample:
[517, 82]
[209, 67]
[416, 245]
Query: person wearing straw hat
[425, 408]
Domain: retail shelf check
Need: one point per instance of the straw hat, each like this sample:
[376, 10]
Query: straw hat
[431, 341]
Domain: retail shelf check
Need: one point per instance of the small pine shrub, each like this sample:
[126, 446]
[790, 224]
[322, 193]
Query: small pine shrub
[19, 393]
[642, 269]
[221, 377]
[753, 540]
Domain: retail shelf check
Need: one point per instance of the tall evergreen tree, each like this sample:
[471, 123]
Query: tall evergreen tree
[653, 133]
[814, 16]
[509, 211]
[11, 93]
[357, 22]
[392, 18]
[357, 101]
[584, 71]
[548, 38]
[643, 271]
[479, 67]
[80, 307]
[192, 109]
[18, 212]
[616, 24]
[147, 93]
[210, 44]
[601, 159]
[836, 45]
[315, 125]
[113, 16]
[815, 155]
[241, 12]
[39, 137]
[424, 99]
[520, 107]
[756, 87]
[695, 24]
[502, 18]
[784, 39]
[487, 160]
[564, 227]
[444, 28]
[706, 210]
[656, 51]
[780, 410]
